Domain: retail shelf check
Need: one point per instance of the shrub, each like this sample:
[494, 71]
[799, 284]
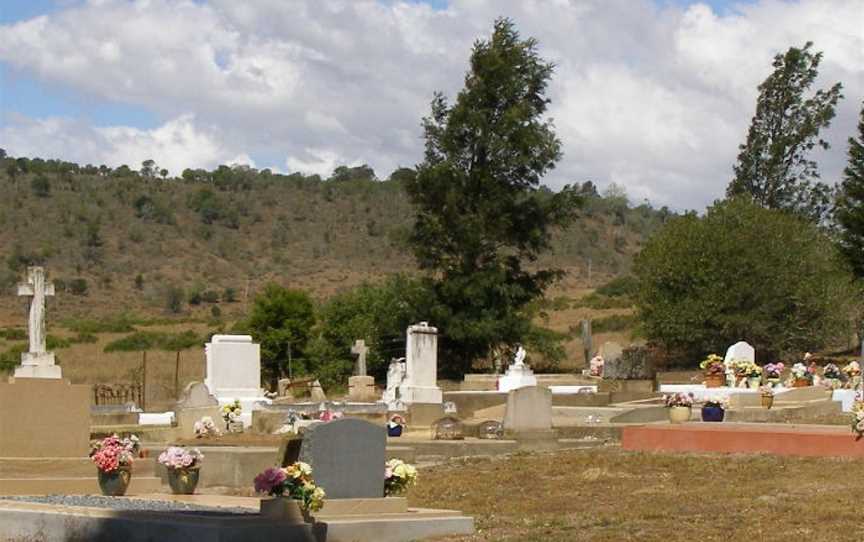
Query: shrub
[742, 272]
[78, 286]
[615, 322]
[620, 286]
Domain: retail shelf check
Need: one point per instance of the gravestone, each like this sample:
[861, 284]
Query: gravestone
[518, 375]
[360, 349]
[195, 403]
[740, 351]
[419, 390]
[316, 392]
[448, 428]
[361, 388]
[347, 457]
[37, 362]
[632, 363]
[234, 372]
[395, 379]
[528, 411]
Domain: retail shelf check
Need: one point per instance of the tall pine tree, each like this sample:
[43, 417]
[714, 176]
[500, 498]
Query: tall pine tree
[774, 167]
[481, 213]
[849, 208]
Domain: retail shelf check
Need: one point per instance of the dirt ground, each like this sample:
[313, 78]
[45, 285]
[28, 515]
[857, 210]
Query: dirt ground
[611, 495]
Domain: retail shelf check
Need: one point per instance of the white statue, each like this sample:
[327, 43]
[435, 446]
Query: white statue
[520, 356]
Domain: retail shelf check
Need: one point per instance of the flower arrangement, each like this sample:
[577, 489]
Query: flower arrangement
[773, 370]
[329, 415]
[858, 418]
[231, 412]
[832, 371]
[713, 365]
[398, 476]
[767, 391]
[206, 428]
[801, 372]
[175, 457]
[852, 369]
[111, 453]
[679, 400]
[294, 481]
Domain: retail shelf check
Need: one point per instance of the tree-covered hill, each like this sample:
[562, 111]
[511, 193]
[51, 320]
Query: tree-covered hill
[140, 240]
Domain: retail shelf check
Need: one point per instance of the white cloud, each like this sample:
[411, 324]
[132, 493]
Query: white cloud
[656, 99]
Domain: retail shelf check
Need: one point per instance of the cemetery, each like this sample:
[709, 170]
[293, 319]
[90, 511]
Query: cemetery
[194, 465]
[548, 322]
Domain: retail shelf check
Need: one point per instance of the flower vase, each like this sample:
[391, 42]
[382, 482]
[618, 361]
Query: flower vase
[679, 414]
[767, 401]
[183, 481]
[116, 482]
[285, 509]
[801, 383]
[715, 380]
[394, 431]
[713, 414]
[754, 382]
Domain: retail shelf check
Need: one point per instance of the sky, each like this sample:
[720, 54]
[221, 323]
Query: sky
[652, 95]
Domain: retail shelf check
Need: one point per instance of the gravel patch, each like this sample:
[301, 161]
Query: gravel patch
[129, 504]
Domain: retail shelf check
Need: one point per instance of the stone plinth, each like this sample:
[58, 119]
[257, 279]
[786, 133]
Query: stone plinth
[517, 376]
[44, 418]
[38, 365]
[361, 389]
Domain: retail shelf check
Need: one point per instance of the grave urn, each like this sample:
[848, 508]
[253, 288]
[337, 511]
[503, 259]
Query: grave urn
[679, 414]
[116, 482]
[801, 383]
[754, 382]
[767, 400]
[715, 380]
[713, 414]
[183, 481]
[285, 509]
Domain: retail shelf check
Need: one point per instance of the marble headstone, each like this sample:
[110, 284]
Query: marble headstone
[347, 457]
[421, 366]
[529, 410]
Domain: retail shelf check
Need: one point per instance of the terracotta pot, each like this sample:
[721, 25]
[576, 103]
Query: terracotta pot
[679, 414]
[116, 482]
[801, 383]
[285, 509]
[183, 481]
[767, 401]
[715, 381]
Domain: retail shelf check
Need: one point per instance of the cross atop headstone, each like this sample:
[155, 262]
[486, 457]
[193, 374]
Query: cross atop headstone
[359, 349]
[37, 362]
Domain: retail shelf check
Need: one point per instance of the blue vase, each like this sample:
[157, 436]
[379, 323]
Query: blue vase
[394, 431]
[713, 414]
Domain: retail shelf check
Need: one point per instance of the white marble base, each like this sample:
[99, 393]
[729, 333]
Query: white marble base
[38, 365]
[156, 418]
[417, 394]
[517, 376]
[700, 392]
[845, 397]
[569, 390]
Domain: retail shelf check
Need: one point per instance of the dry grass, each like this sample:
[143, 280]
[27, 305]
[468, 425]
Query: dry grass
[612, 495]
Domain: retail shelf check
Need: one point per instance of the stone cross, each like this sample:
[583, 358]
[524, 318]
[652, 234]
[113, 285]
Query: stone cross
[38, 290]
[359, 349]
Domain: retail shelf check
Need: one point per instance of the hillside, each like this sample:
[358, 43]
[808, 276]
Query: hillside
[118, 240]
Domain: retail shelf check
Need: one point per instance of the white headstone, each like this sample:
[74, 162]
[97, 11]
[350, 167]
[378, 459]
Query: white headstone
[518, 374]
[37, 362]
[395, 379]
[740, 351]
[234, 372]
[421, 366]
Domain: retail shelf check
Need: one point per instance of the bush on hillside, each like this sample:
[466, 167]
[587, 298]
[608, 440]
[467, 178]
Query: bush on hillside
[742, 272]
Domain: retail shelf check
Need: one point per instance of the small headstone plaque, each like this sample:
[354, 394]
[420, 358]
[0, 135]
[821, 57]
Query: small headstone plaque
[490, 430]
[448, 428]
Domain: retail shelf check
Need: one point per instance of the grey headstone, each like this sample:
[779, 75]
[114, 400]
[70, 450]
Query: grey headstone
[347, 457]
[528, 410]
[633, 363]
[196, 395]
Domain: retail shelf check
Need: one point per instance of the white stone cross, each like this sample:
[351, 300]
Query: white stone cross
[38, 289]
[359, 349]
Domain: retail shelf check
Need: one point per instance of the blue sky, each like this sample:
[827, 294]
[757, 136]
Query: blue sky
[652, 95]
